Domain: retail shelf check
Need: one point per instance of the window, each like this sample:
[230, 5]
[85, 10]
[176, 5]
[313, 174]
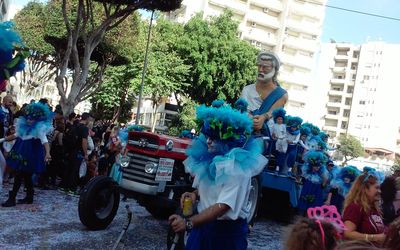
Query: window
[353, 77]
[346, 113]
[366, 77]
[362, 102]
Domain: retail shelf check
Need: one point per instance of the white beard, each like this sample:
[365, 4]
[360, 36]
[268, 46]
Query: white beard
[266, 77]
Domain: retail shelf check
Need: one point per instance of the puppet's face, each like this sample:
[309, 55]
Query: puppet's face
[346, 180]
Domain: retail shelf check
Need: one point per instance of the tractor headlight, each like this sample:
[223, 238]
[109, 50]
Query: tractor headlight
[124, 161]
[169, 145]
[150, 167]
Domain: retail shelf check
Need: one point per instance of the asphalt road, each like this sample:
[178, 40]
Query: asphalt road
[52, 222]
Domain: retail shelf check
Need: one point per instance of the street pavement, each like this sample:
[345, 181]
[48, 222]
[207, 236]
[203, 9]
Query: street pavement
[52, 222]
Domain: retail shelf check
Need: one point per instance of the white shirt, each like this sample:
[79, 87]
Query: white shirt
[279, 130]
[250, 94]
[294, 138]
[234, 193]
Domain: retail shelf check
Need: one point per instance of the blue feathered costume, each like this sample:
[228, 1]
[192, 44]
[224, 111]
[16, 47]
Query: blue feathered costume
[222, 160]
[12, 53]
[341, 184]
[315, 175]
[28, 153]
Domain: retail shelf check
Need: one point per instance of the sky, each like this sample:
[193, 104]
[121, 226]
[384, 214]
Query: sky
[343, 26]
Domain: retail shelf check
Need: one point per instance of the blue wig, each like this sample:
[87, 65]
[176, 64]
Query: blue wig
[136, 128]
[36, 121]
[123, 136]
[225, 124]
[345, 179]
[293, 124]
[241, 105]
[314, 129]
[324, 136]
[315, 159]
[279, 112]
[10, 41]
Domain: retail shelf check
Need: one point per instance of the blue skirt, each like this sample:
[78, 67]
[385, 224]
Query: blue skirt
[27, 156]
[219, 235]
[311, 196]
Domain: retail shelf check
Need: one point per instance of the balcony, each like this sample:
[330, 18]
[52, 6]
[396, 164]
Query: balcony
[339, 69]
[294, 78]
[338, 81]
[297, 60]
[270, 4]
[297, 95]
[304, 27]
[301, 43]
[330, 128]
[335, 92]
[332, 117]
[307, 9]
[341, 57]
[334, 104]
[236, 6]
[263, 19]
[258, 35]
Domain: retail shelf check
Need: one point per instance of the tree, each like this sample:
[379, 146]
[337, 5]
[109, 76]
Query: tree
[185, 120]
[350, 148]
[222, 63]
[80, 54]
[39, 70]
[115, 98]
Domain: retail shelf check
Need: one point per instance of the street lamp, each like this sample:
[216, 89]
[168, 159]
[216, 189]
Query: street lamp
[144, 71]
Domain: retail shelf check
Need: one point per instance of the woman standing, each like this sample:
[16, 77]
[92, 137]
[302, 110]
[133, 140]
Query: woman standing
[30, 151]
[362, 214]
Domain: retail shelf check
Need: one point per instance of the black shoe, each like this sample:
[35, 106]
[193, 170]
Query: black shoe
[26, 200]
[9, 203]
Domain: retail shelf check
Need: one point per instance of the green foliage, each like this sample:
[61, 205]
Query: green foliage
[350, 147]
[222, 64]
[115, 98]
[185, 120]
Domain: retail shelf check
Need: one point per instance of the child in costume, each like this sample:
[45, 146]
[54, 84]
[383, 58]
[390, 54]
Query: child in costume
[315, 177]
[293, 125]
[223, 159]
[340, 186]
[279, 136]
[31, 149]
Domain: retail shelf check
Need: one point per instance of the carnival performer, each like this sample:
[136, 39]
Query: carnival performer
[333, 170]
[10, 63]
[278, 133]
[30, 151]
[315, 176]
[293, 126]
[362, 213]
[266, 94]
[222, 160]
[340, 186]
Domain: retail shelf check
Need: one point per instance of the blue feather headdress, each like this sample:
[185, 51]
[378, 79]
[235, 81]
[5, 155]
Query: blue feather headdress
[305, 131]
[314, 129]
[312, 159]
[316, 143]
[10, 41]
[36, 121]
[344, 179]
[223, 123]
[380, 176]
[136, 128]
[293, 124]
[123, 136]
[279, 112]
[237, 152]
[324, 136]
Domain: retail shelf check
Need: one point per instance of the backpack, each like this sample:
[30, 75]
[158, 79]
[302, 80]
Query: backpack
[70, 137]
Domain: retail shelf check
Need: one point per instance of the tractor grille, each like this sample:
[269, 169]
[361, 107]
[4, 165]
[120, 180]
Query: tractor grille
[135, 170]
[147, 143]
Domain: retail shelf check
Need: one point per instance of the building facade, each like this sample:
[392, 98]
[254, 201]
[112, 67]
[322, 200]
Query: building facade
[4, 8]
[290, 28]
[358, 84]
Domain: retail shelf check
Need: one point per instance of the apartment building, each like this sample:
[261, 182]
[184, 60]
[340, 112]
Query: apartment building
[359, 86]
[4, 8]
[373, 117]
[290, 28]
